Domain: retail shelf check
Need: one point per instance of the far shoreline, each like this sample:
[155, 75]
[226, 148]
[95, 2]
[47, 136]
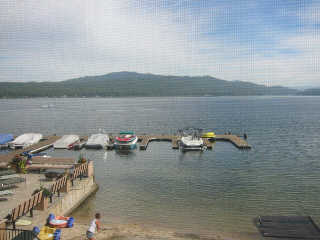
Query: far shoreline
[180, 96]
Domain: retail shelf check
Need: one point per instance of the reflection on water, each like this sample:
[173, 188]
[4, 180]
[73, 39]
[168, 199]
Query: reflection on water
[126, 153]
[190, 155]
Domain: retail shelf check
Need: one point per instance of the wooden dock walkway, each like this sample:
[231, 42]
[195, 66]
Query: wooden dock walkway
[235, 140]
[48, 141]
[53, 160]
[287, 227]
[144, 141]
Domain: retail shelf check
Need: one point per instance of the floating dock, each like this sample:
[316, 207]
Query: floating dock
[145, 139]
[235, 140]
[47, 142]
[287, 227]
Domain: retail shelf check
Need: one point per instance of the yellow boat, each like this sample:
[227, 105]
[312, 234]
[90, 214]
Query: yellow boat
[48, 233]
[209, 135]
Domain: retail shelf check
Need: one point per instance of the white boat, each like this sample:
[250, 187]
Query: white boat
[97, 141]
[66, 142]
[191, 140]
[25, 140]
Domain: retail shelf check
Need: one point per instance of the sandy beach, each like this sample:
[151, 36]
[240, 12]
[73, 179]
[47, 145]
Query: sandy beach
[141, 232]
[133, 232]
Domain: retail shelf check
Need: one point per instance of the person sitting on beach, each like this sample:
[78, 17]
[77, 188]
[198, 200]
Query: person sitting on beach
[94, 226]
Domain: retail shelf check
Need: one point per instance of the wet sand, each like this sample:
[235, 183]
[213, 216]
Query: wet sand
[133, 232]
[139, 232]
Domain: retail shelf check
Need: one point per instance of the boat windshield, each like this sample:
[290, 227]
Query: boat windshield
[127, 133]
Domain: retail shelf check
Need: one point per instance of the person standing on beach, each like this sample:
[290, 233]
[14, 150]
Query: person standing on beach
[94, 226]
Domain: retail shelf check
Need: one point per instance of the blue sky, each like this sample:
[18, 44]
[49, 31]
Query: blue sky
[271, 42]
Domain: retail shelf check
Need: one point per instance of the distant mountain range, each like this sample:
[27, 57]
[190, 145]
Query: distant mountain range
[123, 84]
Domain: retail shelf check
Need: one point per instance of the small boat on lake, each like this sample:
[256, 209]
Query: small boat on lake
[126, 141]
[191, 140]
[209, 135]
[25, 140]
[97, 141]
[66, 142]
[5, 139]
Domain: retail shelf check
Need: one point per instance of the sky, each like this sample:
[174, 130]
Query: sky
[270, 42]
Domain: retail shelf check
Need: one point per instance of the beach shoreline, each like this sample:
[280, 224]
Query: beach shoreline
[132, 231]
[141, 232]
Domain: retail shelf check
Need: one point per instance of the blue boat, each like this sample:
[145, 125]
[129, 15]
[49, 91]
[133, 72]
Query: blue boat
[5, 139]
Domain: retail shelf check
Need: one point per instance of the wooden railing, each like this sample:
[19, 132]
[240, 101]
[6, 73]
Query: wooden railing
[80, 170]
[60, 183]
[16, 234]
[26, 206]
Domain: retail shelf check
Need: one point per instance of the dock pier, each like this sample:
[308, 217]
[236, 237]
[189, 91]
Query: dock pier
[46, 143]
[144, 141]
[235, 140]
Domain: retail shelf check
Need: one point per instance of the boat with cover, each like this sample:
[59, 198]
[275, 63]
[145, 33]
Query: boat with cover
[78, 146]
[66, 142]
[25, 140]
[5, 139]
[191, 140]
[97, 141]
[126, 141]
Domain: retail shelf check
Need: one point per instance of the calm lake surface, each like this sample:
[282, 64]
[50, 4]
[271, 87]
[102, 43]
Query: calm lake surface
[219, 190]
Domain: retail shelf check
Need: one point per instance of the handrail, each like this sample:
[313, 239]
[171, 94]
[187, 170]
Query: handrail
[29, 204]
[60, 183]
[26, 206]
[10, 234]
[79, 170]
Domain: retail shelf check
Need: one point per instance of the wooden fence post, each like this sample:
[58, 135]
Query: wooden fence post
[43, 205]
[66, 187]
[3, 232]
[90, 170]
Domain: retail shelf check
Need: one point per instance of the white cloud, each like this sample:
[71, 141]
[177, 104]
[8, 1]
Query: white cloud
[92, 38]
[55, 40]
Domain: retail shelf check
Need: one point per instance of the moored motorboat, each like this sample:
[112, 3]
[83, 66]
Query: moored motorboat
[191, 140]
[191, 143]
[25, 140]
[78, 146]
[66, 142]
[209, 135]
[126, 141]
[5, 139]
[97, 141]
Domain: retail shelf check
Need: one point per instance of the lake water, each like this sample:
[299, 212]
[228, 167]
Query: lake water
[217, 191]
